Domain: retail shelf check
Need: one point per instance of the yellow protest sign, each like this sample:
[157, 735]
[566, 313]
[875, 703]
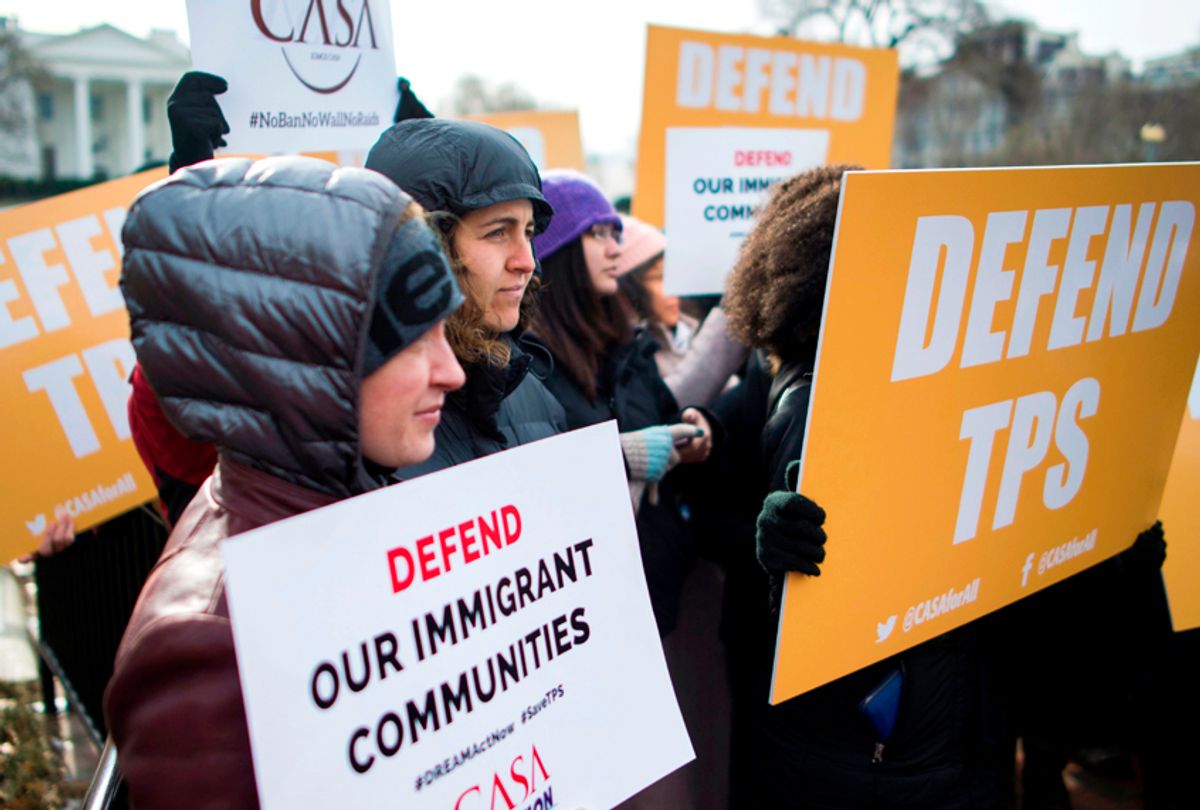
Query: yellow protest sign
[65, 360]
[1181, 518]
[724, 116]
[1004, 359]
[550, 136]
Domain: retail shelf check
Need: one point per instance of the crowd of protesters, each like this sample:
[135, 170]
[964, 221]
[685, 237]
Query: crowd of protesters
[306, 333]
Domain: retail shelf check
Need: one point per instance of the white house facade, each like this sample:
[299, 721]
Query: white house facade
[99, 107]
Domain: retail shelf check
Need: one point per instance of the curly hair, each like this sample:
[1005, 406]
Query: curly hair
[774, 295]
[473, 341]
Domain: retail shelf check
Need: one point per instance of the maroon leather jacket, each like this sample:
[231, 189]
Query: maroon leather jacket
[174, 704]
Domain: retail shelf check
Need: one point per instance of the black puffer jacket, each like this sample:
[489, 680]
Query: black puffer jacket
[630, 389]
[816, 750]
[498, 408]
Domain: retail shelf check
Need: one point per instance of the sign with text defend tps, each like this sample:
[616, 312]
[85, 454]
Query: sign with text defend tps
[1003, 363]
[65, 360]
[550, 136]
[1181, 518]
[726, 116]
[303, 75]
[477, 638]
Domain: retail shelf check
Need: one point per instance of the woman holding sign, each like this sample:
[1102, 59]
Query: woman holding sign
[292, 313]
[918, 730]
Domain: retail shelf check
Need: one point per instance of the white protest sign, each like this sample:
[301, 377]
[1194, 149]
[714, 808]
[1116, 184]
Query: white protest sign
[303, 74]
[716, 179]
[473, 639]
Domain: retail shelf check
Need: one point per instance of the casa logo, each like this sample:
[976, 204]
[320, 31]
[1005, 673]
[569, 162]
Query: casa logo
[322, 41]
[525, 785]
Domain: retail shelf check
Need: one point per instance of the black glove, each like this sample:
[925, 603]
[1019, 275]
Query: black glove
[197, 123]
[790, 537]
[409, 105]
[1149, 550]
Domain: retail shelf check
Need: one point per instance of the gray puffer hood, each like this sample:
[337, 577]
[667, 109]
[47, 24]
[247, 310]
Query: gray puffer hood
[250, 288]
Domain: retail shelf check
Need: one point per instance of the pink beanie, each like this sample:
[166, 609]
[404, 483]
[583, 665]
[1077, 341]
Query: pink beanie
[639, 244]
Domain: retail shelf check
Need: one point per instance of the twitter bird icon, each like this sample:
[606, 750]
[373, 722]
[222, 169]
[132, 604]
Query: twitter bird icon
[884, 629]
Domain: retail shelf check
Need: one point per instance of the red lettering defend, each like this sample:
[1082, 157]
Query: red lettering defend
[400, 583]
[466, 542]
[752, 157]
[447, 548]
[490, 532]
[425, 557]
[512, 530]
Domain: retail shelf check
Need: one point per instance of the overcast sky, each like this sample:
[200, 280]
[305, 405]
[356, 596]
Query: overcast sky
[589, 56]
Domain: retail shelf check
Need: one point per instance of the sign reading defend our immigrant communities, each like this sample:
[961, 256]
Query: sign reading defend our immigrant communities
[550, 136]
[303, 75]
[726, 116]
[477, 638]
[65, 360]
[1003, 364]
[1181, 518]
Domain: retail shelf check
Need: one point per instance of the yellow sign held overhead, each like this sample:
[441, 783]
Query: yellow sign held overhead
[65, 361]
[1004, 358]
[725, 116]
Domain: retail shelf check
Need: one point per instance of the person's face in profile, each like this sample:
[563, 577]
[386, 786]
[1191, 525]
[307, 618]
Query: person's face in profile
[401, 401]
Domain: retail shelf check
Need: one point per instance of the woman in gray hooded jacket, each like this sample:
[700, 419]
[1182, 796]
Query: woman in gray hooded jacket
[291, 313]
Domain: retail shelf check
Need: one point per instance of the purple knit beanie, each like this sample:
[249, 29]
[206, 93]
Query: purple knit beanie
[578, 205]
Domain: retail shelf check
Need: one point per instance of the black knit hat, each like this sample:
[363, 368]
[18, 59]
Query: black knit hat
[414, 289]
[459, 166]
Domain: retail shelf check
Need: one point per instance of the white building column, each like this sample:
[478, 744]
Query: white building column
[134, 124]
[83, 129]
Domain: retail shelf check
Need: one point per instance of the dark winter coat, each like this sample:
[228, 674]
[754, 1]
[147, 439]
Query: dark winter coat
[497, 409]
[816, 750]
[629, 388]
[631, 391]
[256, 344]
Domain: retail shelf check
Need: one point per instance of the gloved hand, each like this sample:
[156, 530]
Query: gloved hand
[1149, 550]
[650, 452]
[409, 106]
[790, 537]
[197, 122]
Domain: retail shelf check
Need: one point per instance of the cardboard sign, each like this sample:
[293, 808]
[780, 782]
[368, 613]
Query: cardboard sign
[1181, 518]
[480, 637]
[550, 136]
[725, 117]
[1004, 358]
[65, 360]
[302, 75]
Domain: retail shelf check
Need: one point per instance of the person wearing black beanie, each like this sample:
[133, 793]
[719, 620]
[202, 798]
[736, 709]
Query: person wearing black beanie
[485, 198]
